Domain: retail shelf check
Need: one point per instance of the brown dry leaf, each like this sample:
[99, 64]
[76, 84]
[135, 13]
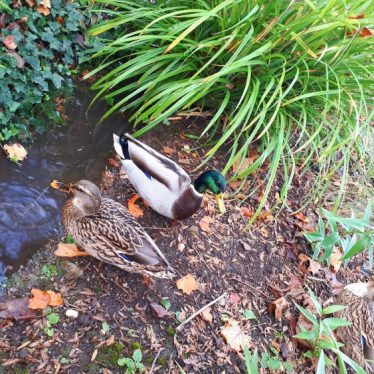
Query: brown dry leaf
[234, 335]
[11, 361]
[205, 223]
[335, 260]
[9, 42]
[40, 299]
[300, 216]
[234, 298]
[238, 169]
[160, 311]
[60, 20]
[246, 212]
[313, 266]
[30, 3]
[188, 284]
[16, 152]
[69, 250]
[207, 315]
[135, 210]
[16, 309]
[43, 10]
[281, 305]
[113, 162]
[168, 150]
[55, 298]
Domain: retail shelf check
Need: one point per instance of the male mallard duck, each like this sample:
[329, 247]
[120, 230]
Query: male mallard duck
[107, 231]
[162, 183]
[358, 338]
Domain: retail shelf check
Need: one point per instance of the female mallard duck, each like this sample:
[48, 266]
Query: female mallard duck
[162, 183]
[106, 230]
[358, 338]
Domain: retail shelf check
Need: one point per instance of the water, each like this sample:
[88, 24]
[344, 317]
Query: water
[29, 209]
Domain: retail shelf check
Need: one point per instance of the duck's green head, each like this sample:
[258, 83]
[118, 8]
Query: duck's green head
[215, 182]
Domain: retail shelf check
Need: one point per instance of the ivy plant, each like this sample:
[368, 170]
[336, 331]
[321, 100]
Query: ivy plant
[38, 55]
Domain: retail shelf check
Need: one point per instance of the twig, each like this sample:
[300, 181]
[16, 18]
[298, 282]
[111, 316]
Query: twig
[154, 361]
[201, 310]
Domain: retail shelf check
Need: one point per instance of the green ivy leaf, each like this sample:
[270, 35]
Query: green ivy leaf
[165, 303]
[137, 355]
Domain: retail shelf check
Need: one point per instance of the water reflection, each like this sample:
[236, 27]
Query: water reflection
[29, 209]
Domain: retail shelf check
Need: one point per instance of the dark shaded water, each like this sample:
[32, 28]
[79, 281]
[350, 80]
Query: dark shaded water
[29, 208]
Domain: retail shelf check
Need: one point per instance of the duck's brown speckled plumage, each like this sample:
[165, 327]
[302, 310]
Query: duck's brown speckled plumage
[360, 312]
[110, 234]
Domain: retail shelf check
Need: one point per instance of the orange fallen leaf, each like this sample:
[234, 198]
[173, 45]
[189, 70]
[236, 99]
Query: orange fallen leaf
[69, 250]
[30, 3]
[300, 216]
[234, 335]
[40, 299]
[205, 223]
[135, 210]
[281, 305]
[188, 284]
[55, 298]
[207, 315]
[246, 212]
[9, 42]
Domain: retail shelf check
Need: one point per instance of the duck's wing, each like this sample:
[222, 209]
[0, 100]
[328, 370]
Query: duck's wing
[117, 238]
[157, 165]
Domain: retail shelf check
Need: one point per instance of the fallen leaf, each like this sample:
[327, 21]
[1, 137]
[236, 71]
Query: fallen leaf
[308, 265]
[207, 315]
[160, 311]
[335, 260]
[9, 42]
[16, 152]
[30, 3]
[2, 20]
[365, 32]
[43, 10]
[135, 210]
[55, 299]
[234, 335]
[188, 284]
[280, 305]
[300, 216]
[16, 309]
[168, 150]
[69, 250]
[205, 223]
[40, 299]
[240, 166]
[11, 361]
[246, 212]
[60, 20]
[234, 298]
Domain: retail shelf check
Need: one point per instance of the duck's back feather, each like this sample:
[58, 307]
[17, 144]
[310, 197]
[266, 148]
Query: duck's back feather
[157, 166]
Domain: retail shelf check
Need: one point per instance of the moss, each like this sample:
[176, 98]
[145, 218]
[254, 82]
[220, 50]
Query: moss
[108, 356]
[136, 345]
[91, 368]
[148, 360]
[20, 370]
[170, 331]
[161, 361]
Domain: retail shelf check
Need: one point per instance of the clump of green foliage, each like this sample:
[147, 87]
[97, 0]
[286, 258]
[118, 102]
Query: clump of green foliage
[133, 364]
[39, 69]
[353, 235]
[109, 356]
[290, 78]
[321, 338]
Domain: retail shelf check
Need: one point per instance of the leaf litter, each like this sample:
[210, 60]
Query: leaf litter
[261, 276]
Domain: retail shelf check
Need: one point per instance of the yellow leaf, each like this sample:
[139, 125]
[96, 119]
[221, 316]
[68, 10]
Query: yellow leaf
[15, 152]
[234, 335]
[188, 284]
[69, 250]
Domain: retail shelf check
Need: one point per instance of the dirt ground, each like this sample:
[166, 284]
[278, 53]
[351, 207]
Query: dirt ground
[120, 312]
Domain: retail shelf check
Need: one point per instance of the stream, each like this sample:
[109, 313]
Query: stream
[29, 208]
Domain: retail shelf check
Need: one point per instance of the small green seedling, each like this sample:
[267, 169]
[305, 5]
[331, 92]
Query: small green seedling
[166, 303]
[49, 270]
[52, 319]
[105, 327]
[321, 338]
[132, 364]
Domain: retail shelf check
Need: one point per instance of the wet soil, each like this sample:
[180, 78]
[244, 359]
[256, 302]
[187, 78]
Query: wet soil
[115, 314]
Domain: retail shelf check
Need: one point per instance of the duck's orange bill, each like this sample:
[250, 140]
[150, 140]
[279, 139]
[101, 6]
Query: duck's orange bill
[60, 186]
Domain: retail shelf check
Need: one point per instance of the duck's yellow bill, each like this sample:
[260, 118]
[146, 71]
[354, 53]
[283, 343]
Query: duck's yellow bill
[220, 203]
[60, 186]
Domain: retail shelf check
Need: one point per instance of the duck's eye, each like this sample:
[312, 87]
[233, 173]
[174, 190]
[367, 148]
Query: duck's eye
[122, 140]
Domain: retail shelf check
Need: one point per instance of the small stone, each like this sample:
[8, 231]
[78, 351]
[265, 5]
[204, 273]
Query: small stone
[71, 313]
[181, 247]
[84, 319]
